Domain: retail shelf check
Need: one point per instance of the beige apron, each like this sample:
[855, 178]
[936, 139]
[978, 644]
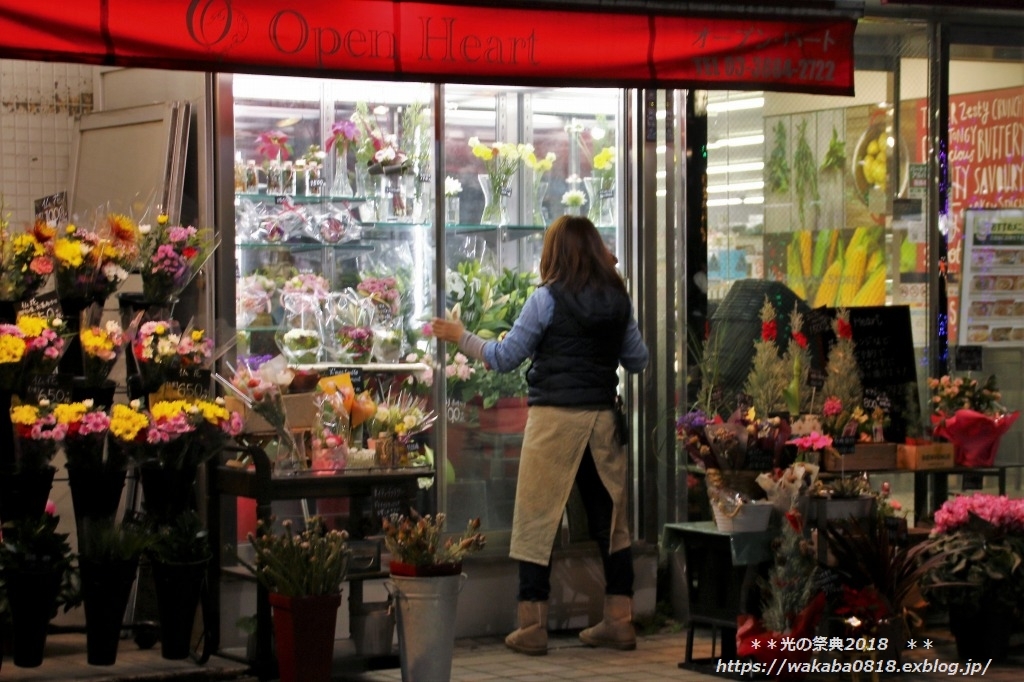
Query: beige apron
[553, 446]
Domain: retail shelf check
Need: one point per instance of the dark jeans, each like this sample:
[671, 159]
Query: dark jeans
[535, 580]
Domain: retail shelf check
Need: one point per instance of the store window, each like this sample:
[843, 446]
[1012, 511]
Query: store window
[823, 200]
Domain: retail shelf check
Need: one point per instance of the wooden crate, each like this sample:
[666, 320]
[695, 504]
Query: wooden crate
[925, 456]
[865, 457]
[299, 407]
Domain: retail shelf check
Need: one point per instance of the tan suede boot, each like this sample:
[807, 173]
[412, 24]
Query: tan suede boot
[615, 631]
[532, 636]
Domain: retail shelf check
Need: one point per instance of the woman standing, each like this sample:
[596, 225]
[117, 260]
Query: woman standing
[576, 329]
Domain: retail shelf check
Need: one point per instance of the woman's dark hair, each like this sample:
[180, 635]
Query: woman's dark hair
[575, 256]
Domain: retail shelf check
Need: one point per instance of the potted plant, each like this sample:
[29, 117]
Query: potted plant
[969, 414]
[426, 578]
[303, 572]
[981, 578]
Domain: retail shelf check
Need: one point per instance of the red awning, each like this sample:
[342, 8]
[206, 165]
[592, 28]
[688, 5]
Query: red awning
[428, 42]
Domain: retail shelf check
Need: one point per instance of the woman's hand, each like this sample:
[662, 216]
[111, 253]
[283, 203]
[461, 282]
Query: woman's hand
[447, 330]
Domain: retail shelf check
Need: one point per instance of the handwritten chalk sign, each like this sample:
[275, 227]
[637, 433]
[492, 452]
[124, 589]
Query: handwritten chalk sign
[828, 580]
[52, 209]
[191, 383]
[884, 350]
[53, 387]
[42, 305]
[389, 499]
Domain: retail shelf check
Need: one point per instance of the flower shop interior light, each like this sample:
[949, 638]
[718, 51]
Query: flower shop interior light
[731, 201]
[736, 168]
[737, 141]
[736, 187]
[736, 105]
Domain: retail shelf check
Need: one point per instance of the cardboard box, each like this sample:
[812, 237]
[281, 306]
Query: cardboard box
[865, 457]
[299, 407]
[926, 456]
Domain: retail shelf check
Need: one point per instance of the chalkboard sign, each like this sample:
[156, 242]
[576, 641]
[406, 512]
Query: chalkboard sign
[42, 305]
[829, 581]
[883, 346]
[388, 500]
[355, 374]
[53, 387]
[968, 359]
[192, 383]
[52, 209]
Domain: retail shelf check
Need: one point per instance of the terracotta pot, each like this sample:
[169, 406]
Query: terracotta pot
[304, 635]
[507, 416]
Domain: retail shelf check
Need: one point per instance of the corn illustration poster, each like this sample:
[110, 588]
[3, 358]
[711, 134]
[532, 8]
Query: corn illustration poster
[830, 267]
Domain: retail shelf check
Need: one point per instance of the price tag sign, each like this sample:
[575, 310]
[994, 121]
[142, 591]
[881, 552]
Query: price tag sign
[388, 500]
[968, 359]
[52, 209]
[190, 384]
[42, 305]
[53, 387]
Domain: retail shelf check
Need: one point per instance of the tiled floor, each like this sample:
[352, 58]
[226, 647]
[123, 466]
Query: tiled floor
[656, 657]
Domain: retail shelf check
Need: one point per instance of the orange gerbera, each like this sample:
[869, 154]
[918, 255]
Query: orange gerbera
[122, 228]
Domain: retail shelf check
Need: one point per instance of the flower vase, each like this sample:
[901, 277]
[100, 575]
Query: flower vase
[540, 213]
[95, 496]
[601, 193]
[178, 590]
[167, 492]
[397, 190]
[286, 452]
[496, 196]
[426, 606]
[341, 186]
[32, 602]
[423, 201]
[304, 635]
[106, 586]
[451, 210]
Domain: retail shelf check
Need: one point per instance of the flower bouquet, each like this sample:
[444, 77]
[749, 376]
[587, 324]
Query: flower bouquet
[395, 422]
[254, 298]
[32, 346]
[501, 161]
[300, 346]
[418, 546]
[332, 427]
[92, 263]
[161, 350]
[25, 261]
[39, 431]
[179, 434]
[383, 293]
[171, 255]
[262, 389]
[969, 414]
[102, 345]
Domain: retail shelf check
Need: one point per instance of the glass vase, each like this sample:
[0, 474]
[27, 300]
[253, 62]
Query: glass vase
[341, 186]
[451, 210]
[496, 195]
[423, 200]
[601, 195]
[539, 190]
[396, 197]
[367, 188]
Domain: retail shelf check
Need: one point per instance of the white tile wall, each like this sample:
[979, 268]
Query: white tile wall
[39, 103]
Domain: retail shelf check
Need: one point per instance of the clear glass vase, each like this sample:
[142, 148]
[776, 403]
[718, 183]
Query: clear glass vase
[538, 192]
[423, 199]
[341, 186]
[368, 188]
[451, 210]
[601, 197]
[397, 191]
[496, 195]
